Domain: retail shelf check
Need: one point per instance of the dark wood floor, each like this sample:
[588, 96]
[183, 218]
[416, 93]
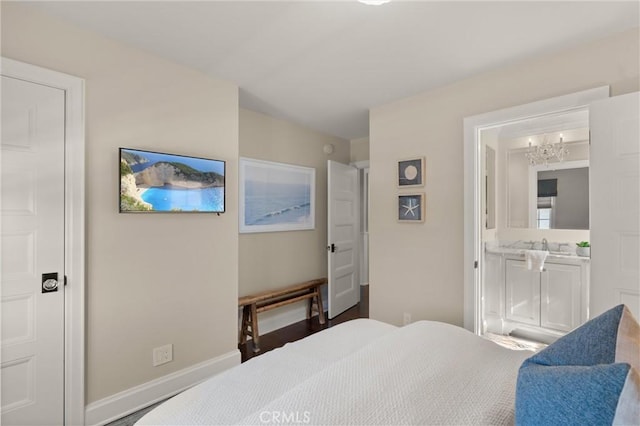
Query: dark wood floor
[304, 328]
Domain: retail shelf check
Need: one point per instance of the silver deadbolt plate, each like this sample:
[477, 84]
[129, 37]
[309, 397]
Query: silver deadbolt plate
[50, 282]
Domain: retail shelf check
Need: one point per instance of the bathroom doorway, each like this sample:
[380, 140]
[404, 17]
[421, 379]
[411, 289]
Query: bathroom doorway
[534, 201]
[497, 209]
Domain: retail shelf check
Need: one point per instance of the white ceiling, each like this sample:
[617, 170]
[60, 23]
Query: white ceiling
[323, 64]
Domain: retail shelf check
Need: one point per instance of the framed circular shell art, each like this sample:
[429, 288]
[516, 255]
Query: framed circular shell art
[411, 172]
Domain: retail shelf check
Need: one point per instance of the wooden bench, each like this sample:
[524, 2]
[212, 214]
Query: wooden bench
[253, 304]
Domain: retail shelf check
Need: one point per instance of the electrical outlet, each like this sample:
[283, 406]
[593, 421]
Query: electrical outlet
[406, 318]
[162, 355]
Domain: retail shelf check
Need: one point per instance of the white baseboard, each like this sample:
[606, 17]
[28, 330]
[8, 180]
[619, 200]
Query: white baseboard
[278, 320]
[274, 320]
[131, 400]
[281, 319]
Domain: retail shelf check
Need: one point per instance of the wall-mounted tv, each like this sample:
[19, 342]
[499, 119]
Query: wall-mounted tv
[160, 182]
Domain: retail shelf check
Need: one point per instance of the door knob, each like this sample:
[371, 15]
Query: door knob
[50, 282]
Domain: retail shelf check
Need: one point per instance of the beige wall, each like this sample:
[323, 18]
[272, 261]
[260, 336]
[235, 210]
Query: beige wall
[274, 259]
[151, 279]
[418, 268]
[359, 149]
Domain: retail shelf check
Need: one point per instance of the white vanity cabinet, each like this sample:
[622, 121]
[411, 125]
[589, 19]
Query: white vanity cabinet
[549, 299]
[546, 303]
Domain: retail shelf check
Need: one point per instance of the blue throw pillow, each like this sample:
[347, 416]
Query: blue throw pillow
[588, 377]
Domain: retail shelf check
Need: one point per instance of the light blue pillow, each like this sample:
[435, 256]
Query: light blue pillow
[588, 377]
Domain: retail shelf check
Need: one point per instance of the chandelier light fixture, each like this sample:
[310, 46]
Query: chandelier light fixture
[546, 151]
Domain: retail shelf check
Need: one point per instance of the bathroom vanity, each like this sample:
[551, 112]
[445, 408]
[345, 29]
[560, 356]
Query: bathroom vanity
[543, 305]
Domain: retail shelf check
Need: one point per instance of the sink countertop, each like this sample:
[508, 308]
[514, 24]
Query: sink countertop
[521, 252]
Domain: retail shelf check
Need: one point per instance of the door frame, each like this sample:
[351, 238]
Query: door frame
[473, 125]
[363, 217]
[74, 327]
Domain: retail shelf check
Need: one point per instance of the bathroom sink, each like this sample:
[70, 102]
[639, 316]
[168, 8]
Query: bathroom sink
[561, 253]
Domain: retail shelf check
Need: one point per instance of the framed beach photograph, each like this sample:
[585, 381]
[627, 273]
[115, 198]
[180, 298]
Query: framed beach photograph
[276, 196]
[411, 208]
[411, 172]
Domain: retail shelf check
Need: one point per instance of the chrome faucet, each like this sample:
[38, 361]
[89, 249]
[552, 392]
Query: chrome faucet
[545, 244]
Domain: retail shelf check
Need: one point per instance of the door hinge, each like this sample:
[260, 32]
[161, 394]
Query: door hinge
[475, 265]
[65, 280]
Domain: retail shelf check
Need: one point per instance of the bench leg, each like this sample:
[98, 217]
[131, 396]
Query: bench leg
[317, 300]
[246, 323]
[310, 305]
[240, 331]
[319, 306]
[250, 321]
[255, 335]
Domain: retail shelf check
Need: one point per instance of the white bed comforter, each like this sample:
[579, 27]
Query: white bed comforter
[362, 372]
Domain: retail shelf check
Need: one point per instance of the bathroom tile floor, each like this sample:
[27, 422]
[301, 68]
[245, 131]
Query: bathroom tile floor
[515, 343]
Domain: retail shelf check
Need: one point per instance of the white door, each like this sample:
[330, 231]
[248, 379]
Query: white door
[342, 229]
[615, 203]
[32, 208]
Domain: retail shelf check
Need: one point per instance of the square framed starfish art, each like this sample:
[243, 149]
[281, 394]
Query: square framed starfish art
[411, 208]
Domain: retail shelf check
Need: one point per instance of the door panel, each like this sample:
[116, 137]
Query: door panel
[32, 209]
[615, 203]
[344, 289]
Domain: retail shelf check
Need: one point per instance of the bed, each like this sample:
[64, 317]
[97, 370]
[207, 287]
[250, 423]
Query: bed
[365, 372]
[362, 372]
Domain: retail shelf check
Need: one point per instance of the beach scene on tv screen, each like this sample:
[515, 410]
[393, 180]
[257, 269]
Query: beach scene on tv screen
[151, 181]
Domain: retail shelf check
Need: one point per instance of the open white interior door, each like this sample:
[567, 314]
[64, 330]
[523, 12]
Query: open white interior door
[615, 203]
[342, 238]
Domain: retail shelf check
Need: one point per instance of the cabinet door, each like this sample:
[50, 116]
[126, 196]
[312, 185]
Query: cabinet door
[560, 292]
[522, 293]
[493, 294]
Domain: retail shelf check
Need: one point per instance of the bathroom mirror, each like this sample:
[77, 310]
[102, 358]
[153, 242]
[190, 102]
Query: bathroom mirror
[509, 197]
[553, 196]
[562, 199]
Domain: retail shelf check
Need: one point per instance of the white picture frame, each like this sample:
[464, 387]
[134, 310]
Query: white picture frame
[275, 197]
